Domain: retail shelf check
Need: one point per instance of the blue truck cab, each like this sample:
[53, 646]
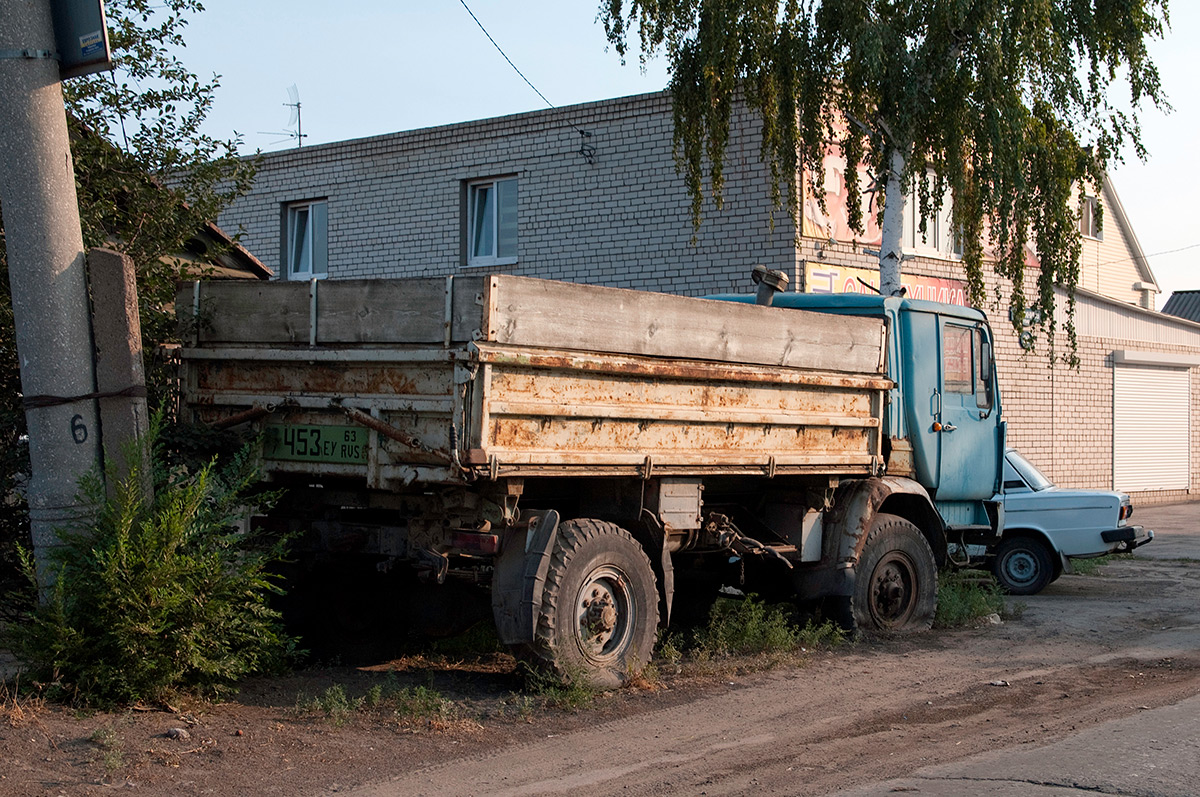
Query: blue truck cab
[943, 426]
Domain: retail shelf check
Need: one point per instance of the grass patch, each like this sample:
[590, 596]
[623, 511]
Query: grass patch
[745, 628]
[110, 747]
[759, 634]
[333, 703]
[965, 596]
[412, 707]
[571, 690]
[1091, 567]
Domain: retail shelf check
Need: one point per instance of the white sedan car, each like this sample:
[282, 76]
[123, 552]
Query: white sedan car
[1046, 526]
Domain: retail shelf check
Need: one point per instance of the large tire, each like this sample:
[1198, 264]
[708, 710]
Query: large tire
[895, 584]
[1023, 565]
[599, 612]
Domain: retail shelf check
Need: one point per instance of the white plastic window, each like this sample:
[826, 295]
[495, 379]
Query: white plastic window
[492, 222]
[1089, 221]
[307, 245]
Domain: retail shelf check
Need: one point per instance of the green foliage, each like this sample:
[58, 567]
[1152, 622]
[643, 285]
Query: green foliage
[111, 748]
[410, 705]
[965, 596]
[570, 690]
[1091, 567]
[132, 131]
[749, 627]
[746, 627]
[157, 594]
[1007, 103]
[334, 704]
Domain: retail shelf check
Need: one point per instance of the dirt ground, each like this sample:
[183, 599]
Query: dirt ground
[1088, 649]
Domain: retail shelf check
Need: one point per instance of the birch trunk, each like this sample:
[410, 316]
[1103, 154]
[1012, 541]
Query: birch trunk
[892, 228]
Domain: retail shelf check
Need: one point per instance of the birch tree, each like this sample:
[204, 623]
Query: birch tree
[1007, 106]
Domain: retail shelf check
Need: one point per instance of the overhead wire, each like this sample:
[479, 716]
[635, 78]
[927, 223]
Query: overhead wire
[501, 51]
[1144, 258]
[587, 150]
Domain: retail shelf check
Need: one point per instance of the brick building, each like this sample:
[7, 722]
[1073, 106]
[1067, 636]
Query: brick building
[590, 193]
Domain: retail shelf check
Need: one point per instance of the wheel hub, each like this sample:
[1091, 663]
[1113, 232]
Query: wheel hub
[1020, 567]
[892, 596]
[601, 615]
[604, 616]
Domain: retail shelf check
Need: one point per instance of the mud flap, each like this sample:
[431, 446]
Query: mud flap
[520, 577]
[660, 560]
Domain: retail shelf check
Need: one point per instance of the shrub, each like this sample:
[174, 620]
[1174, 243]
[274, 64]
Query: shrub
[749, 627]
[965, 596]
[746, 627]
[156, 594]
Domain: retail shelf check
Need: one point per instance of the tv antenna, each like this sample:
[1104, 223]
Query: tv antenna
[295, 130]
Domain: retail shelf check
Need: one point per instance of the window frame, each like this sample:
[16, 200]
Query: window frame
[499, 208]
[973, 352]
[1088, 227]
[941, 239]
[291, 211]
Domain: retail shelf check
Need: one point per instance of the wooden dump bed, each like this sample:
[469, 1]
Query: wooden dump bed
[441, 379]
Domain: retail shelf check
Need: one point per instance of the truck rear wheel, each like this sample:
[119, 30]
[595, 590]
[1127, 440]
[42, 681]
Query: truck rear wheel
[895, 585]
[599, 612]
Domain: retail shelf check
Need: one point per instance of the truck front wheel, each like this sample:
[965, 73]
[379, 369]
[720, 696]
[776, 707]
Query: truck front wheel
[599, 612]
[895, 584]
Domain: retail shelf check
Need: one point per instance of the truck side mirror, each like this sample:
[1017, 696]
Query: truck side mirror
[984, 381]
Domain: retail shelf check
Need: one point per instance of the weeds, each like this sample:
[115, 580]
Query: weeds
[1091, 567]
[111, 747]
[334, 704]
[571, 690]
[757, 634]
[411, 706]
[746, 627]
[965, 596]
[17, 709]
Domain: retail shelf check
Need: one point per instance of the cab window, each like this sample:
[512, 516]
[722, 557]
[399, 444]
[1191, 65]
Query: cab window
[956, 359]
[967, 363]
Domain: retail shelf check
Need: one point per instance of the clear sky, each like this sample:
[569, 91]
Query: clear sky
[367, 67]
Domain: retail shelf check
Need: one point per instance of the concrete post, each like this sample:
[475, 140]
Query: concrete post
[46, 275]
[120, 374]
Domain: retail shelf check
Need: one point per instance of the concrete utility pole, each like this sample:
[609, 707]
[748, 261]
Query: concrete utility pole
[46, 272]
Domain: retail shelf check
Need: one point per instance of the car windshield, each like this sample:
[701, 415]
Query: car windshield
[1032, 476]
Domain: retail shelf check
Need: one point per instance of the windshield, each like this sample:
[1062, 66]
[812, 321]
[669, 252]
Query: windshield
[1032, 476]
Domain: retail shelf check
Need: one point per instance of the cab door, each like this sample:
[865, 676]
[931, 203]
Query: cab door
[966, 413]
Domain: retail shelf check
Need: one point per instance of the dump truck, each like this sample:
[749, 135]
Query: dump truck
[595, 460]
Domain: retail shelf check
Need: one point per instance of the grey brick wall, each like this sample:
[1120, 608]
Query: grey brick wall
[396, 201]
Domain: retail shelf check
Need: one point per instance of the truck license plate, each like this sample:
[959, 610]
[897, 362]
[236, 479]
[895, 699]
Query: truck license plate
[335, 444]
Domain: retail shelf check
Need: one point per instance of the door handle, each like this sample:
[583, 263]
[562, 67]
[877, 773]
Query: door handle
[944, 427]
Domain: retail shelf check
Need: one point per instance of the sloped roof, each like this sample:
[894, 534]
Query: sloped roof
[1113, 207]
[1184, 304]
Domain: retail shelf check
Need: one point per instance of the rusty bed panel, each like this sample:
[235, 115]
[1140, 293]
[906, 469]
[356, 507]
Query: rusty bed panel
[437, 408]
[547, 413]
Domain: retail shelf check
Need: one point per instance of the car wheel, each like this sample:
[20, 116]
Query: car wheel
[1023, 565]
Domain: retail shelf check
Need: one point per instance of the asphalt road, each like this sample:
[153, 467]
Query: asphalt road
[1155, 753]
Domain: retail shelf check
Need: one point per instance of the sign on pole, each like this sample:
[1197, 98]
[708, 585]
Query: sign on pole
[81, 37]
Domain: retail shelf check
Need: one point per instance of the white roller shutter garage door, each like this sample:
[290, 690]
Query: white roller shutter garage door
[1150, 428]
